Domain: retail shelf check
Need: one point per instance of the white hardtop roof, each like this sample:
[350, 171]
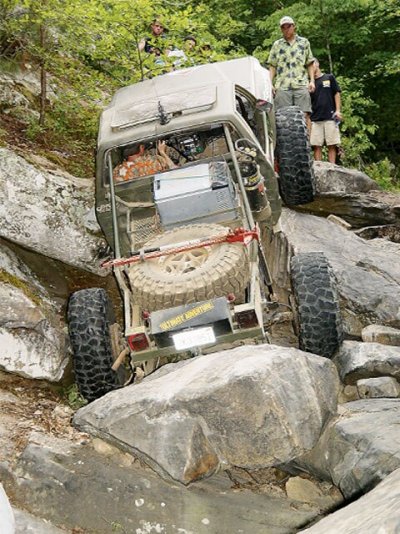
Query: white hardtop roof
[246, 72]
[187, 90]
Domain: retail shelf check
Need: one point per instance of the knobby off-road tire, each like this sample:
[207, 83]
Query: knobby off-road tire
[296, 173]
[89, 318]
[190, 276]
[320, 325]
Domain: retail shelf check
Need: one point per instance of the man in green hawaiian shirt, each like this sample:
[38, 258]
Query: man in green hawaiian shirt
[291, 66]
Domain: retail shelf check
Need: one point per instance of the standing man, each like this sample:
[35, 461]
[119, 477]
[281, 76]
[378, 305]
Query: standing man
[291, 66]
[326, 114]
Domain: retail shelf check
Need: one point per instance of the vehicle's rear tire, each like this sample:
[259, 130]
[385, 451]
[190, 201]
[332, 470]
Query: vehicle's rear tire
[190, 276]
[296, 173]
[89, 319]
[320, 324]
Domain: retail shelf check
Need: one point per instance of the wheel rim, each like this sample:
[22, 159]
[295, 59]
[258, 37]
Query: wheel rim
[184, 262]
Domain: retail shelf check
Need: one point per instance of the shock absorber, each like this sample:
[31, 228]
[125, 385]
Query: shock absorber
[255, 189]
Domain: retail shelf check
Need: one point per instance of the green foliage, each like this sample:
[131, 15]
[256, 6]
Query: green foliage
[356, 129]
[18, 283]
[384, 173]
[89, 48]
[73, 398]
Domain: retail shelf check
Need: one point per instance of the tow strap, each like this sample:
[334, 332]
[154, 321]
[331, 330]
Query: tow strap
[238, 235]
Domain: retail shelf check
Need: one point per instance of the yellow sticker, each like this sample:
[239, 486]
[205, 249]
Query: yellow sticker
[190, 314]
[326, 83]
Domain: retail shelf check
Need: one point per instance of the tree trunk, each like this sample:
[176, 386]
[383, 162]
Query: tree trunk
[43, 76]
[327, 40]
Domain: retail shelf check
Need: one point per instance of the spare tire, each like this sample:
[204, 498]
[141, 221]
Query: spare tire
[296, 172]
[320, 323]
[190, 276]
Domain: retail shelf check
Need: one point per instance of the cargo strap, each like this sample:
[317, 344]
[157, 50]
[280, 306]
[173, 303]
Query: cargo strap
[238, 235]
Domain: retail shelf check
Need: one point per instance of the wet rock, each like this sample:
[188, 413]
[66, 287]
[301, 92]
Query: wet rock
[358, 449]
[377, 511]
[376, 333]
[254, 406]
[376, 388]
[356, 360]
[44, 211]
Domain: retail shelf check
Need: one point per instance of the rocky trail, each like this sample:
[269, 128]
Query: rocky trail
[261, 438]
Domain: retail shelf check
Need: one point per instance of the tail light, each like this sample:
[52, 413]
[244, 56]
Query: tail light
[138, 342]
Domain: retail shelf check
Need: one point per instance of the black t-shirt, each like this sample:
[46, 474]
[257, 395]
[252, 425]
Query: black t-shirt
[154, 42]
[322, 99]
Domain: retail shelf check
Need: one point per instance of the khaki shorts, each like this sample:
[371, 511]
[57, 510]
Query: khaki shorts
[324, 132]
[293, 97]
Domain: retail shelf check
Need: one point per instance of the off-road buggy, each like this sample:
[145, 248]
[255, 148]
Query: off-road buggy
[187, 241]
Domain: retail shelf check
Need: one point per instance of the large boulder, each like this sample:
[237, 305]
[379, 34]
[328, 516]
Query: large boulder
[368, 284]
[377, 511]
[358, 449]
[45, 211]
[251, 407]
[31, 336]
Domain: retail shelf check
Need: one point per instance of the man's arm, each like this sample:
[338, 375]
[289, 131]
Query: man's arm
[311, 77]
[272, 74]
[142, 44]
[162, 150]
[338, 104]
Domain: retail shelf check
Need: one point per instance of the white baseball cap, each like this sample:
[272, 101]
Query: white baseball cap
[286, 20]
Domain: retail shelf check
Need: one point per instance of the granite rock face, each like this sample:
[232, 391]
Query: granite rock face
[71, 484]
[44, 211]
[31, 326]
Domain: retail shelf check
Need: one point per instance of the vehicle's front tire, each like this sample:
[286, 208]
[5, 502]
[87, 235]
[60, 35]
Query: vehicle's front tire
[320, 324]
[89, 319]
[296, 173]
